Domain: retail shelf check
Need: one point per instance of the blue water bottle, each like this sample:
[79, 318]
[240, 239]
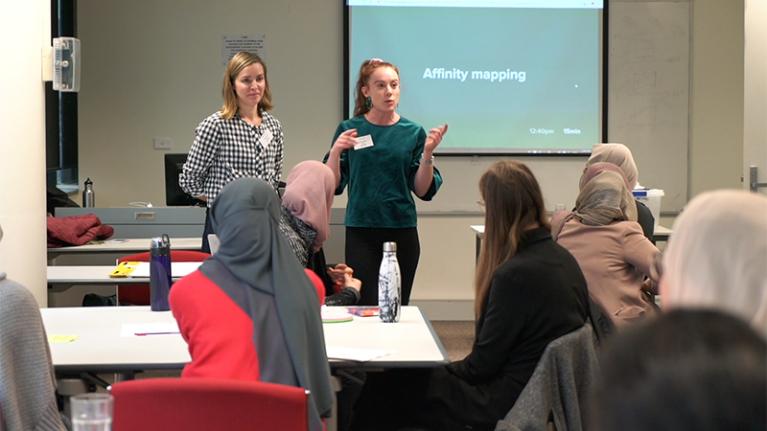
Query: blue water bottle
[159, 273]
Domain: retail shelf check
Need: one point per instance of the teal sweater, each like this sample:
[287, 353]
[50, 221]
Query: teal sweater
[381, 178]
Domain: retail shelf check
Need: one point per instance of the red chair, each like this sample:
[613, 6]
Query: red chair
[138, 294]
[192, 404]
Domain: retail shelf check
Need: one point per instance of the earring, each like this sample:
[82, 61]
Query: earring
[368, 102]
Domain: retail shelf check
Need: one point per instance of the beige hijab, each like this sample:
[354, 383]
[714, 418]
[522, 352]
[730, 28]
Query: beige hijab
[603, 199]
[717, 256]
[617, 154]
[309, 196]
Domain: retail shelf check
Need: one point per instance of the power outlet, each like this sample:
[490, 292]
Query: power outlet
[162, 143]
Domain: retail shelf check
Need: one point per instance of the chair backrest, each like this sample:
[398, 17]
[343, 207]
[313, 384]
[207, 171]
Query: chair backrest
[602, 323]
[138, 294]
[557, 392]
[192, 404]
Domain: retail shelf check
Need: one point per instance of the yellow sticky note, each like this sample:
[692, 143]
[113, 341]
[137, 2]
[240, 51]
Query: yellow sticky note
[123, 269]
[61, 339]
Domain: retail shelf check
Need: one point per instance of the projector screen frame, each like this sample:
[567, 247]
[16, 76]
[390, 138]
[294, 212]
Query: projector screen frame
[348, 83]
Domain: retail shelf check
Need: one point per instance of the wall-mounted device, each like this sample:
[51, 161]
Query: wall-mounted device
[66, 64]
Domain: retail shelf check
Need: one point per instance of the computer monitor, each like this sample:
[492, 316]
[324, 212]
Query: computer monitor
[174, 196]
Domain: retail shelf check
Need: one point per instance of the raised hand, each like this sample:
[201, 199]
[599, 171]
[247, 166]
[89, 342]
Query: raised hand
[434, 138]
[345, 140]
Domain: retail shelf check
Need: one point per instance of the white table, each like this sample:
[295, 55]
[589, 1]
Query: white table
[99, 274]
[661, 233]
[108, 251]
[61, 278]
[100, 348]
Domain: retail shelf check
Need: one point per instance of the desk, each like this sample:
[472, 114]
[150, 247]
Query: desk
[61, 278]
[107, 251]
[99, 274]
[100, 348]
[661, 233]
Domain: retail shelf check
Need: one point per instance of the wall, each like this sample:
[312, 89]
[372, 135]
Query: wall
[152, 69]
[755, 91]
[716, 96]
[22, 145]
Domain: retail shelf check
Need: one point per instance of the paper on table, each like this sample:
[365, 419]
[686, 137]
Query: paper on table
[62, 339]
[177, 269]
[355, 353]
[140, 329]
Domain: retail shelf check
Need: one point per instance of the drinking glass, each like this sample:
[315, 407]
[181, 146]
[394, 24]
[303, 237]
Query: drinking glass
[91, 412]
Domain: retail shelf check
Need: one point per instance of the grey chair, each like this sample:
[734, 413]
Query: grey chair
[556, 395]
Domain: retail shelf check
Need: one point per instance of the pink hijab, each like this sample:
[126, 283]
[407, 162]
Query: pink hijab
[309, 196]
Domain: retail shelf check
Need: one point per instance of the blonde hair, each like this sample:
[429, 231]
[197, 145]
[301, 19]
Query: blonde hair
[240, 61]
[513, 202]
[366, 69]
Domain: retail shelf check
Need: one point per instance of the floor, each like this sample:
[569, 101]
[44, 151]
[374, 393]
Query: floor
[456, 336]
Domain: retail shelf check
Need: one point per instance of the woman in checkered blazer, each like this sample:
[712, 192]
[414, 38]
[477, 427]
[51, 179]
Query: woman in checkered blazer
[241, 140]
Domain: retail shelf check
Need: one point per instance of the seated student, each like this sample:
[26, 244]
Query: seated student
[620, 155]
[27, 382]
[696, 370]
[305, 222]
[250, 312]
[529, 291]
[717, 256]
[604, 237]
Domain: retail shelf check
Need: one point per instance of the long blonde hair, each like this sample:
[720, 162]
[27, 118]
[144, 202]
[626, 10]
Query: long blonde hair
[240, 61]
[513, 202]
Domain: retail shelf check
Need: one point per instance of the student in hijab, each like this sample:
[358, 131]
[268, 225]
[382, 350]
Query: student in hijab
[603, 235]
[620, 155]
[27, 382]
[305, 222]
[250, 312]
[717, 256]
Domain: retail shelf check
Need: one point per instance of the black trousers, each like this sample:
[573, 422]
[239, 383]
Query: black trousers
[208, 229]
[364, 251]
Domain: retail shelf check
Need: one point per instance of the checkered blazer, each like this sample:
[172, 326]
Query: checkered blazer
[224, 150]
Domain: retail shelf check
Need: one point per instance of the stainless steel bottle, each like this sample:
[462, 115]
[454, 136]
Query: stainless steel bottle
[89, 196]
[389, 284]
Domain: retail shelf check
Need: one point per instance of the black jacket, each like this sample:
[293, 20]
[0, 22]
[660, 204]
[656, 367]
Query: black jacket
[537, 296]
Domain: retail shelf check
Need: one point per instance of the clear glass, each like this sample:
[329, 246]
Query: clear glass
[91, 412]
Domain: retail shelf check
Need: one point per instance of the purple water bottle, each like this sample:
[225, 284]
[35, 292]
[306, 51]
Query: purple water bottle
[159, 273]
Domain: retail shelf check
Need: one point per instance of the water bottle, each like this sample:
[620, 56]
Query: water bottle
[89, 196]
[389, 285]
[159, 273]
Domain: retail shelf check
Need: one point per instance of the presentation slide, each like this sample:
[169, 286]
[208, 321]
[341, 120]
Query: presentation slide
[508, 76]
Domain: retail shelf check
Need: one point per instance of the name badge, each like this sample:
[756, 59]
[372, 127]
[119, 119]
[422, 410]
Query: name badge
[266, 138]
[363, 142]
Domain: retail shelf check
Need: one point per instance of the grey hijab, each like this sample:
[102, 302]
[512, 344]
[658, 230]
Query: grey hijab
[245, 216]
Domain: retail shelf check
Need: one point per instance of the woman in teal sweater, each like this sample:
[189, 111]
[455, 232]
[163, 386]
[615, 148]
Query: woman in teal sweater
[384, 159]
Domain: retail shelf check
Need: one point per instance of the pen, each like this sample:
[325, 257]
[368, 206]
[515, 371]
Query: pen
[141, 334]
